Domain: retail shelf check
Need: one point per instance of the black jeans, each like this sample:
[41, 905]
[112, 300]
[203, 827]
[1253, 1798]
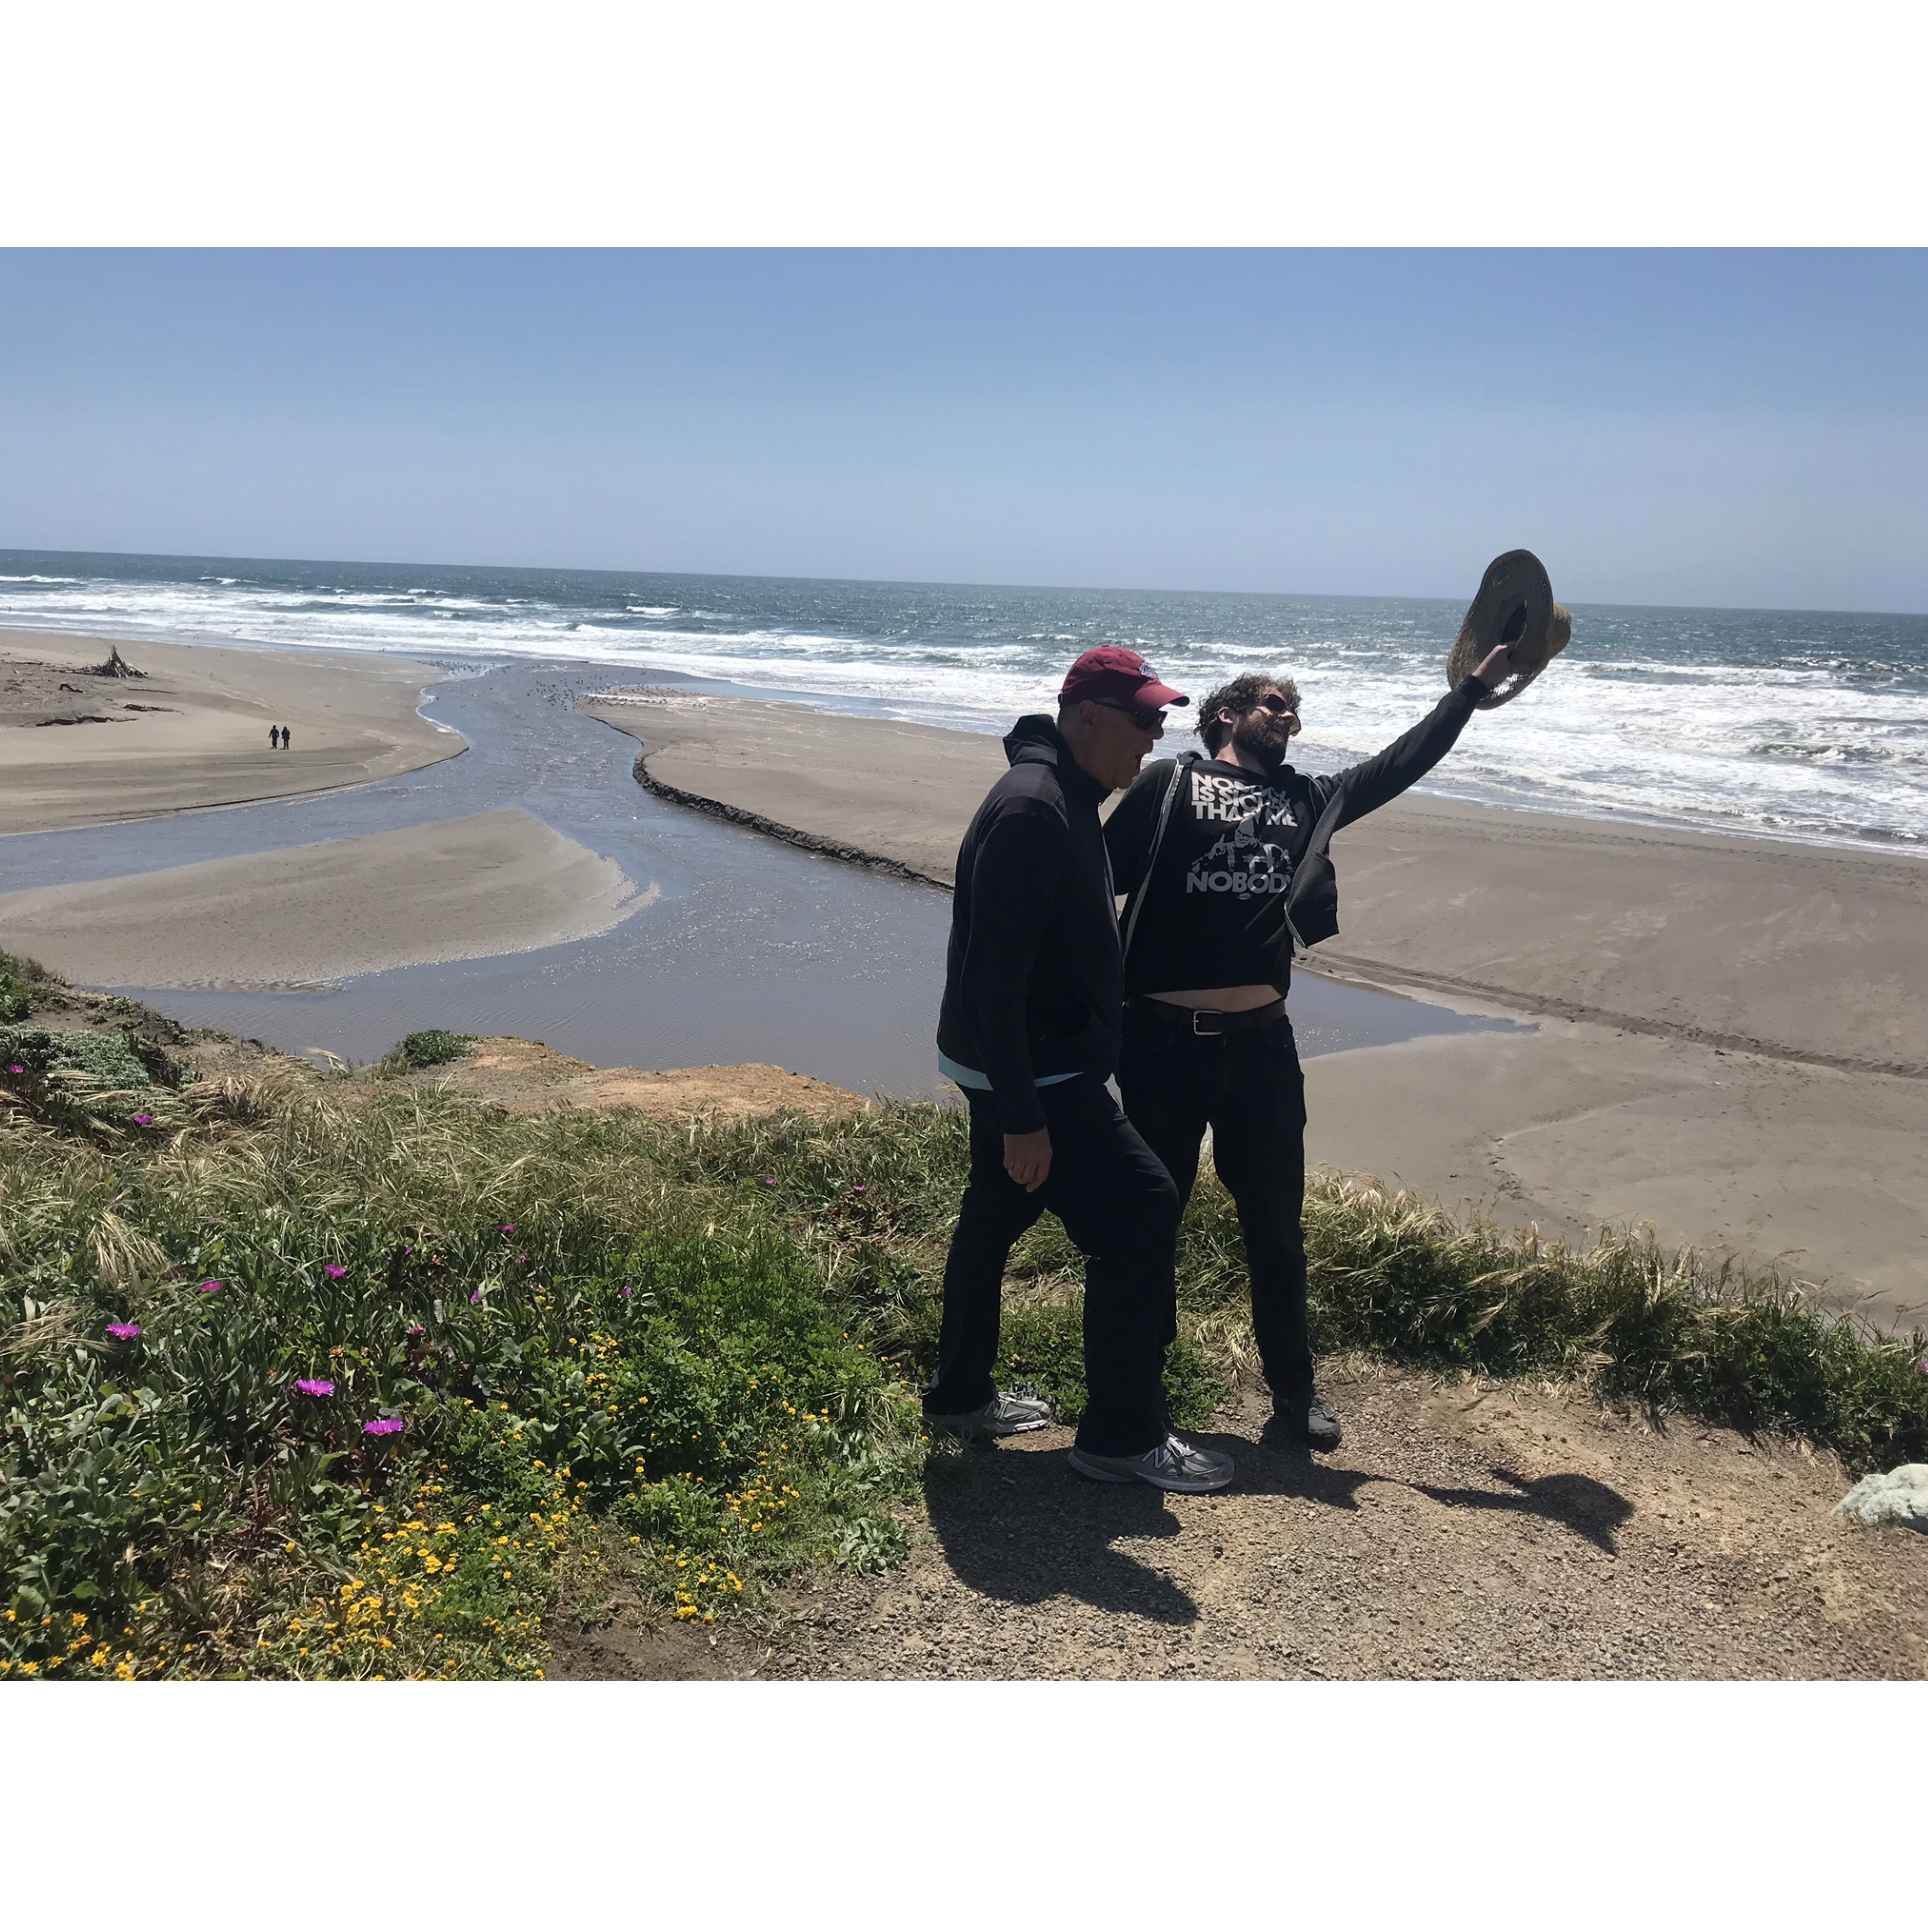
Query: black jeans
[1122, 1213]
[1249, 1088]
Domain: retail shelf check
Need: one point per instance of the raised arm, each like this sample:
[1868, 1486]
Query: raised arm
[1400, 765]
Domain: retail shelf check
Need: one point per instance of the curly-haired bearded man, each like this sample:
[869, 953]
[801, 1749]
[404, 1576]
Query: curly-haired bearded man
[1207, 849]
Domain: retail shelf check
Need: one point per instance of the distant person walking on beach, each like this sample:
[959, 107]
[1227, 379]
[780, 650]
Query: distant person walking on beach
[287, 736]
[274, 736]
[1223, 858]
[1029, 1032]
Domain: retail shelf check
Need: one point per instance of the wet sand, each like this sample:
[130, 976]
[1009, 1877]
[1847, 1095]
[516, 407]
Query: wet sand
[313, 914]
[1731, 1045]
[192, 732]
[862, 788]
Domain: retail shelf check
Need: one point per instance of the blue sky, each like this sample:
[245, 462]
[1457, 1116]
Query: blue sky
[1719, 427]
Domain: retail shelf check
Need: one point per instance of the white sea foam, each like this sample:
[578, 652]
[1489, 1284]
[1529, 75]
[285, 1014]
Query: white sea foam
[1793, 725]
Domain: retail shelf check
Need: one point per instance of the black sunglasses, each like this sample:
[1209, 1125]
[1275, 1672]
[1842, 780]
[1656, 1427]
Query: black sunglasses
[1145, 719]
[1278, 706]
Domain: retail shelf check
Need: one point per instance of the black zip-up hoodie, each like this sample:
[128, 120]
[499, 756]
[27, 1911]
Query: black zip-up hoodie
[1034, 981]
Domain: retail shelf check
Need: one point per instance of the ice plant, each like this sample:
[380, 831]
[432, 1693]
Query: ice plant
[123, 1332]
[210, 1285]
[316, 1388]
[336, 1271]
[505, 1230]
[143, 1117]
[381, 1426]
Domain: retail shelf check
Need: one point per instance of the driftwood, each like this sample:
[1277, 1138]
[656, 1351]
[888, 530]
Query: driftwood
[115, 665]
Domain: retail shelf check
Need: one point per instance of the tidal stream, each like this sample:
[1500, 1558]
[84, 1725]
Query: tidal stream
[751, 950]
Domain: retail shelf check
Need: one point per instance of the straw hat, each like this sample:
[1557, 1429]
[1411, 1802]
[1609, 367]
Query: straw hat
[1514, 606]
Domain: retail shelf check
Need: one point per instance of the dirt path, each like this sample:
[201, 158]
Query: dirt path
[1460, 1535]
[521, 1076]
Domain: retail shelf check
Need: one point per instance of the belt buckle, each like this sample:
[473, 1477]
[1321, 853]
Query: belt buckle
[1203, 1013]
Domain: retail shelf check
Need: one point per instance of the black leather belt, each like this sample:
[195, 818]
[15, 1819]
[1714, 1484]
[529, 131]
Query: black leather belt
[1210, 1024]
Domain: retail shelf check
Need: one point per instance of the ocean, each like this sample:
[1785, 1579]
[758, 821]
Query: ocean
[1798, 724]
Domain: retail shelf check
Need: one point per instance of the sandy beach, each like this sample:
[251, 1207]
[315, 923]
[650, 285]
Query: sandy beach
[309, 916]
[1727, 1043]
[191, 732]
[871, 790]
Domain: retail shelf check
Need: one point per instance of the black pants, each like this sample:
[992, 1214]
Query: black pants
[1249, 1088]
[1122, 1213]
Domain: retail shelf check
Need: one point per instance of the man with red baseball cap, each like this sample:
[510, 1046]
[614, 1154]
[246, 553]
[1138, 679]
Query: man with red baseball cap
[1033, 1003]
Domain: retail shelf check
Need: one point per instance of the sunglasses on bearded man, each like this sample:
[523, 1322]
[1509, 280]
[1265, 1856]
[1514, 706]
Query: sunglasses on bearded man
[1278, 706]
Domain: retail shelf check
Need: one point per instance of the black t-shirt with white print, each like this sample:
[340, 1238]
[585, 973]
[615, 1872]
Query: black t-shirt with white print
[1213, 912]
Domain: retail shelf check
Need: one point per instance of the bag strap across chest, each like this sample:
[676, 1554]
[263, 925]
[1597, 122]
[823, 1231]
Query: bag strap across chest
[1180, 771]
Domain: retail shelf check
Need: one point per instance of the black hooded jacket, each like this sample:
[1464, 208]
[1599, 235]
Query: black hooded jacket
[1034, 979]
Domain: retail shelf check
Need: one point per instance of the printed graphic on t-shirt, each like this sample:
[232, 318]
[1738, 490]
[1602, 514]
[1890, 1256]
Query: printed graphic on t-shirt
[1245, 861]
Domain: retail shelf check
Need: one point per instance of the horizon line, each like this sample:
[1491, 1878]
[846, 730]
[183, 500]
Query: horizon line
[922, 582]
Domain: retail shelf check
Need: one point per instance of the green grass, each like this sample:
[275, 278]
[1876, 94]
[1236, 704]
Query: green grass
[421, 1049]
[693, 1351]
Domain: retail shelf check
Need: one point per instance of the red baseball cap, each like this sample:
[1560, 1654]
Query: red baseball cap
[1115, 675]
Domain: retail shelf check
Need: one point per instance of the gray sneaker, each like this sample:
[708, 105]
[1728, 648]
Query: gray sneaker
[1006, 1413]
[1174, 1466]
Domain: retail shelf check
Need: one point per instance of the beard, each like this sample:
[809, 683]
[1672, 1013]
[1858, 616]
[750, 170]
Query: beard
[1263, 737]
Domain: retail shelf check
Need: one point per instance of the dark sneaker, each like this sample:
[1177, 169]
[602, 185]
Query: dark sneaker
[1007, 1413]
[1175, 1467]
[1305, 1420]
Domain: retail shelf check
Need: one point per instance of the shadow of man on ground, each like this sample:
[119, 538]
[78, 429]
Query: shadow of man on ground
[1582, 1505]
[1020, 1525]
[1292, 1471]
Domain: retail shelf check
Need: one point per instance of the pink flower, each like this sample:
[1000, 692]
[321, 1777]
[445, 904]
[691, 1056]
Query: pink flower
[627, 1290]
[505, 1230]
[316, 1388]
[336, 1271]
[18, 1070]
[475, 1297]
[381, 1426]
[769, 1181]
[856, 1188]
[123, 1332]
[210, 1285]
[415, 1331]
[143, 1117]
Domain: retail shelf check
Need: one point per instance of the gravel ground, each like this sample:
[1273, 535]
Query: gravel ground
[1460, 1533]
